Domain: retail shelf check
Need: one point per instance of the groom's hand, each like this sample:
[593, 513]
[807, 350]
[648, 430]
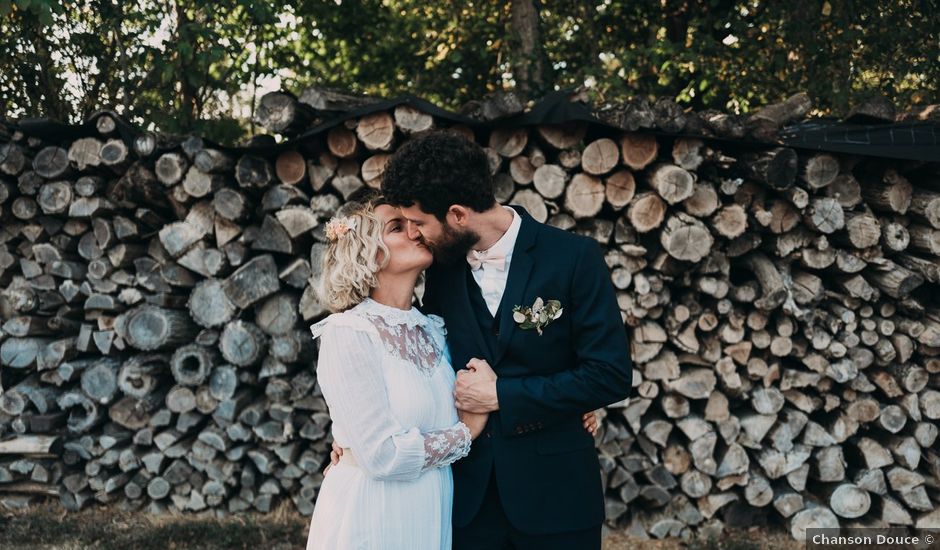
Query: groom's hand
[336, 453]
[475, 390]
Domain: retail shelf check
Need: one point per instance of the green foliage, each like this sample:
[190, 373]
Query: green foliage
[739, 54]
[172, 65]
[189, 66]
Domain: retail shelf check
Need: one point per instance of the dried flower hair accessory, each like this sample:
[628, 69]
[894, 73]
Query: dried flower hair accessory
[337, 227]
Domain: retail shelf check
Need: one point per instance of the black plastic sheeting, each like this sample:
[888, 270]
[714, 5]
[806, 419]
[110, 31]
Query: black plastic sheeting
[912, 140]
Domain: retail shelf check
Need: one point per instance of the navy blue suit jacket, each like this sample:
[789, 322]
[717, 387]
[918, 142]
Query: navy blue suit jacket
[546, 467]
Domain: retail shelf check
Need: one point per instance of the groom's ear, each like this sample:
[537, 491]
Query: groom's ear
[458, 215]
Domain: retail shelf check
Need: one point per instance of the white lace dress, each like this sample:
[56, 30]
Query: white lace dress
[386, 376]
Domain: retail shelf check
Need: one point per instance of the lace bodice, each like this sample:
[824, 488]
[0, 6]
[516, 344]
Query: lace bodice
[386, 377]
[410, 336]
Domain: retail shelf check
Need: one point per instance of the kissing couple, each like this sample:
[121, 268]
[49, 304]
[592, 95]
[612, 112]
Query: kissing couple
[466, 423]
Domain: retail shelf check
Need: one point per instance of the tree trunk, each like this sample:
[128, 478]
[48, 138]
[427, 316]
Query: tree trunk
[530, 68]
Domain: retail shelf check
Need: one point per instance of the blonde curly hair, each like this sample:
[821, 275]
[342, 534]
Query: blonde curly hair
[352, 260]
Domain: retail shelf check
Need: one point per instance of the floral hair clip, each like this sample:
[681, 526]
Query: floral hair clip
[337, 227]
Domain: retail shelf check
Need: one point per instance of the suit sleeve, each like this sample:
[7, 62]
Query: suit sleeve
[603, 373]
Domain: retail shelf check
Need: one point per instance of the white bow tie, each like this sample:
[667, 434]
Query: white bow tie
[493, 259]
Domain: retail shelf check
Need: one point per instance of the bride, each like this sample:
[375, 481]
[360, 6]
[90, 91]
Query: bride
[384, 370]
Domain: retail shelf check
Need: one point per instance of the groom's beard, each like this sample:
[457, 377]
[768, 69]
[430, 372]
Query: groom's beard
[453, 245]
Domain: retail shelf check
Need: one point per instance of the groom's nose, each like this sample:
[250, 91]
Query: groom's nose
[413, 232]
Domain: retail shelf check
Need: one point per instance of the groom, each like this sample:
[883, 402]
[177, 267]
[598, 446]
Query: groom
[532, 478]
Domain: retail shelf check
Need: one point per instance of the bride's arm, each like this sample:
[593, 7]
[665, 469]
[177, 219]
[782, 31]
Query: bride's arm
[350, 376]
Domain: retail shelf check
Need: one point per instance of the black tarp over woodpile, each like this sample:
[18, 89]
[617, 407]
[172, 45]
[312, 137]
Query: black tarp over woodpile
[864, 136]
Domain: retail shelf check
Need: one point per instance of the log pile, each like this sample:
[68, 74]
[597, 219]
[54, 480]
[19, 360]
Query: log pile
[782, 307]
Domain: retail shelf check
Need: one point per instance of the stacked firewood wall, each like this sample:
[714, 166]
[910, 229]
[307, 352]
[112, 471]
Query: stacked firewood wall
[782, 306]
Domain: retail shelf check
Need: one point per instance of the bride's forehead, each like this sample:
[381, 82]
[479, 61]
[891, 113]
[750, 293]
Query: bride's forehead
[388, 213]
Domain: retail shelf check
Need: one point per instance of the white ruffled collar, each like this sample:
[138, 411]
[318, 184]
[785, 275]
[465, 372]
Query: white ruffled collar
[391, 315]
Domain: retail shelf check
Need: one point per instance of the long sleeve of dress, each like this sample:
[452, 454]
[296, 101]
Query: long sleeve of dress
[350, 375]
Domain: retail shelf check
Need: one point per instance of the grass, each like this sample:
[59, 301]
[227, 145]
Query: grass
[48, 527]
[732, 539]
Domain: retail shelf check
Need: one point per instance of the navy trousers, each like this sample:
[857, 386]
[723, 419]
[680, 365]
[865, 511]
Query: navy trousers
[491, 530]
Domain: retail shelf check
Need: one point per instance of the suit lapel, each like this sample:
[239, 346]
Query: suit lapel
[523, 259]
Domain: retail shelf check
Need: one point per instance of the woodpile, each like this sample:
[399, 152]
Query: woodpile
[782, 307]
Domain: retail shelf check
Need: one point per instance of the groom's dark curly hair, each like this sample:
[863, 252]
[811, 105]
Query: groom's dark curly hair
[438, 170]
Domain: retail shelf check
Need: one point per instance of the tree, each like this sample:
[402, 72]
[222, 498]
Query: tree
[172, 65]
[735, 55]
[188, 66]
[529, 65]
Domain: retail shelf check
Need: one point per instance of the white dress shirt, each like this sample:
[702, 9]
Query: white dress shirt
[492, 281]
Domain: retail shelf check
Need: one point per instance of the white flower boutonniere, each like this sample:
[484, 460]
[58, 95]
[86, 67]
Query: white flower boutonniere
[538, 316]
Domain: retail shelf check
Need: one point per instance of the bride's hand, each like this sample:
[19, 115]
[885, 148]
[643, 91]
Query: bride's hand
[476, 422]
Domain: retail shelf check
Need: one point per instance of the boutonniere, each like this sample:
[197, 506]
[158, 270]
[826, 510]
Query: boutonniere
[538, 316]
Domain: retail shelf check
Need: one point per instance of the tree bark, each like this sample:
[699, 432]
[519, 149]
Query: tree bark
[530, 68]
